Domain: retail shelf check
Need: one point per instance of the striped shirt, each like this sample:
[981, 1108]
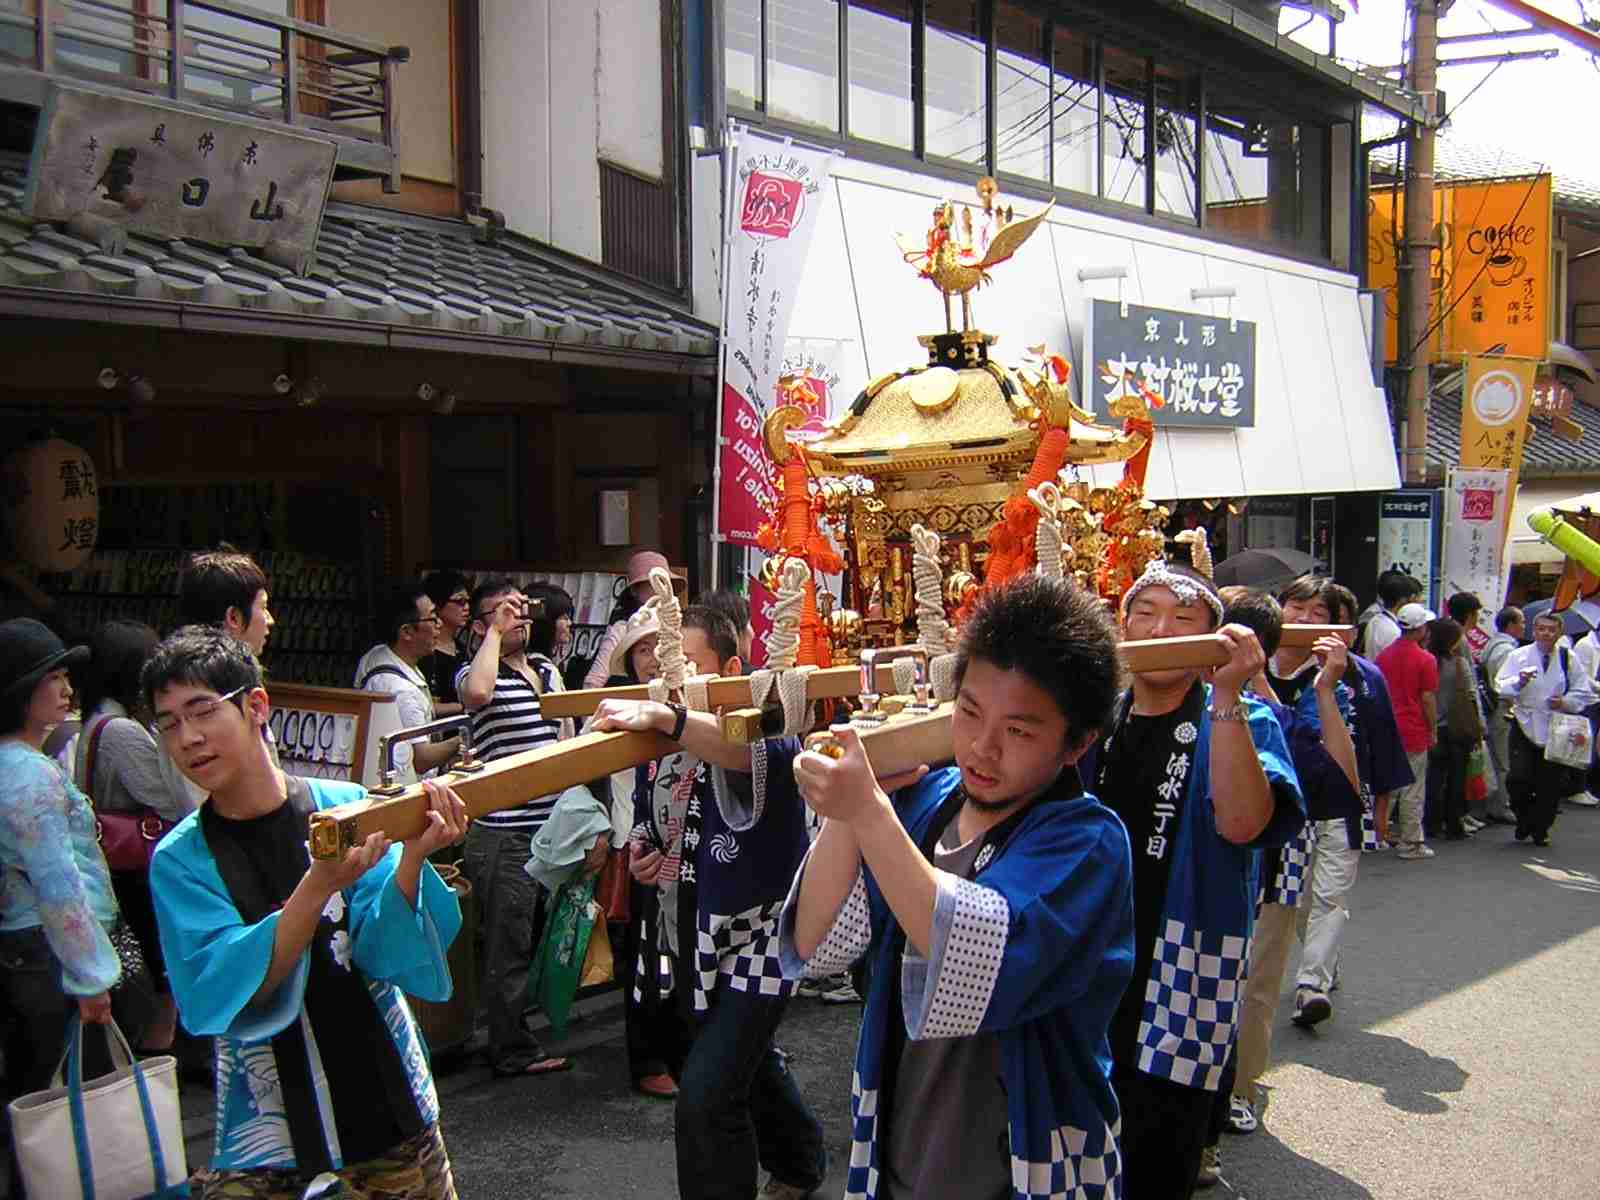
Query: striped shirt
[508, 724]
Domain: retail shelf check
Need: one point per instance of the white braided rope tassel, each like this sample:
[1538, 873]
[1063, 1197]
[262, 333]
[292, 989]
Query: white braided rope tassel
[783, 639]
[783, 645]
[1199, 549]
[669, 644]
[1047, 539]
[927, 577]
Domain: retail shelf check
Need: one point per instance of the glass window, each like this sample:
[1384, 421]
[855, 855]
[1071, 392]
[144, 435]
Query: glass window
[880, 72]
[1122, 140]
[803, 62]
[1177, 113]
[1075, 98]
[742, 59]
[1266, 177]
[954, 81]
[1022, 93]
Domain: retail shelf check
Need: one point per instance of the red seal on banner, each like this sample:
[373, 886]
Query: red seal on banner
[1477, 504]
[772, 205]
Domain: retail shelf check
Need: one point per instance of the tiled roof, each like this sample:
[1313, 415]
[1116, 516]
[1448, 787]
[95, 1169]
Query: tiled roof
[1544, 455]
[370, 266]
[1462, 161]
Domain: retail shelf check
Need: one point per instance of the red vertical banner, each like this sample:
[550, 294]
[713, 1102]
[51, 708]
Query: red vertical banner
[745, 495]
[775, 199]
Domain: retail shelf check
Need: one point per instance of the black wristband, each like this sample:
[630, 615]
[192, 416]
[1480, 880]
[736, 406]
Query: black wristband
[681, 718]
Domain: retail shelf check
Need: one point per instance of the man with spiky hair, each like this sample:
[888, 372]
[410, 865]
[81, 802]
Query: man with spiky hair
[996, 898]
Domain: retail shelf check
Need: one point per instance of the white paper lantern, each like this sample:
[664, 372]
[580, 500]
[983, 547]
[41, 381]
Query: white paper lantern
[52, 504]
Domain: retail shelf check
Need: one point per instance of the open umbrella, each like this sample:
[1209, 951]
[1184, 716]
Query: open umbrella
[1264, 569]
[1573, 622]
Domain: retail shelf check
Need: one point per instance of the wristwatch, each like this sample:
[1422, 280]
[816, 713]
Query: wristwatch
[680, 718]
[1234, 712]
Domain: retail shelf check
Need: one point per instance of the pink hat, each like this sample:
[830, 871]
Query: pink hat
[642, 563]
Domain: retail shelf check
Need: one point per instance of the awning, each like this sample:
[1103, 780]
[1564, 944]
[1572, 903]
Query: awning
[1321, 423]
[1526, 545]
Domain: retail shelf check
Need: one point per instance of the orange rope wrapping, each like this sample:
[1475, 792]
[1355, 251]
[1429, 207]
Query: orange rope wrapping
[1012, 549]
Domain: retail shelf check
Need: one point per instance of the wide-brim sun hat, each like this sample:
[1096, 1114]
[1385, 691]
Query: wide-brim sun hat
[640, 626]
[30, 650]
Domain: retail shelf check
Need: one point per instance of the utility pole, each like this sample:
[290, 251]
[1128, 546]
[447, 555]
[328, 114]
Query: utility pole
[1416, 266]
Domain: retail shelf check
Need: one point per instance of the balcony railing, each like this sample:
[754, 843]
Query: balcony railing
[221, 55]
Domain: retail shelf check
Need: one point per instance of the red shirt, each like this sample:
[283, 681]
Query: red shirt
[1409, 670]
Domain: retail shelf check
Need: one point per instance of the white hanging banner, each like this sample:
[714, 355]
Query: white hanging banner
[1476, 501]
[774, 202]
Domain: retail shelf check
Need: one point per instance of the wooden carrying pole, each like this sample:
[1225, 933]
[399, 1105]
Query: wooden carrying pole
[900, 743]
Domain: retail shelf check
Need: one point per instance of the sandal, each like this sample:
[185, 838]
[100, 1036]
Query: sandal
[529, 1062]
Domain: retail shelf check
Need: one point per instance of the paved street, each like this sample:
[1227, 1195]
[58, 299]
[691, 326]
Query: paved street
[1460, 1062]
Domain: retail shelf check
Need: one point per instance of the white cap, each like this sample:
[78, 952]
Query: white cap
[1414, 616]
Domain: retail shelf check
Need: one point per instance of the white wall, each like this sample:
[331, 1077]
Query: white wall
[565, 84]
[629, 84]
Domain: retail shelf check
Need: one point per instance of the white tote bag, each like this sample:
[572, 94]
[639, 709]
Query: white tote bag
[119, 1137]
[1571, 741]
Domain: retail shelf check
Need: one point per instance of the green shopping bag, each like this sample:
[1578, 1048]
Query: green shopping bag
[557, 964]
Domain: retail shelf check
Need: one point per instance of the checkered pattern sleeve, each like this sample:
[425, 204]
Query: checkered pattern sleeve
[947, 994]
[845, 942]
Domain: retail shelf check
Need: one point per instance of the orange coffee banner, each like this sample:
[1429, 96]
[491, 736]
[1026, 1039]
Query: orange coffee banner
[1501, 266]
[1495, 406]
[1491, 271]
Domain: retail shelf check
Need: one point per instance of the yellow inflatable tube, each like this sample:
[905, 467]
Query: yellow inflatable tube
[1575, 544]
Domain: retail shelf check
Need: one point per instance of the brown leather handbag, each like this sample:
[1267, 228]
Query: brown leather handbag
[611, 889]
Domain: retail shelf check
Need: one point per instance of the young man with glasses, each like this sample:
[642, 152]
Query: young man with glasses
[407, 627]
[296, 967]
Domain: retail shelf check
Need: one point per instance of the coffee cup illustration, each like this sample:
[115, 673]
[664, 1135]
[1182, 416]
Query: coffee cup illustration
[1504, 266]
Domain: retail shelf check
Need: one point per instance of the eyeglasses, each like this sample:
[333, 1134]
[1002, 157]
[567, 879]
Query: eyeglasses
[433, 620]
[462, 600]
[198, 711]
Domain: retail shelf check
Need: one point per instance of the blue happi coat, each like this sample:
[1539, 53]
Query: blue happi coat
[1194, 992]
[217, 962]
[1323, 785]
[1036, 948]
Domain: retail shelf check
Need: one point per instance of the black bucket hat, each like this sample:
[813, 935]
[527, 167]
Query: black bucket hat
[28, 652]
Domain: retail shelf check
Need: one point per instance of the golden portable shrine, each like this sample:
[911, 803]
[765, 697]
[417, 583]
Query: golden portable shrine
[960, 458]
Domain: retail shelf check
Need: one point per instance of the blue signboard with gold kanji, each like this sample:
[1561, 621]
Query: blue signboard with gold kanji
[1201, 368]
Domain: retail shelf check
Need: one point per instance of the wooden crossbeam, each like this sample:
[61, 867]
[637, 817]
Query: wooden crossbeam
[900, 743]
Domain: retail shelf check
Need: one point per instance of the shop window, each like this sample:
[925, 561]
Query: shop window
[1126, 116]
[742, 56]
[1266, 178]
[803, 62]
[1075, 112]
[1177, 115]
[1022, 94]
[954, 74]
[879, 72]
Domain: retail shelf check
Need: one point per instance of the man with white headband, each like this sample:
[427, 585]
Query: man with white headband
[1200, 774]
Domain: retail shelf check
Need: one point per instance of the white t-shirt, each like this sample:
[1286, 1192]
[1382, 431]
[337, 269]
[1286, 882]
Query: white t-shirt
[382, 670]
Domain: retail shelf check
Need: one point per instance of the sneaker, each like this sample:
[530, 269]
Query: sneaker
[1472, 824]
[776, 1189]
[1415, 851]
[1210, 1168]
[816, 987]
[1311, 1008]
[1241, 1117]
[845, 993]
[1585, 800]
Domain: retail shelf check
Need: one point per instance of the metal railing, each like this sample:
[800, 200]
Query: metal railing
[218, 54]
